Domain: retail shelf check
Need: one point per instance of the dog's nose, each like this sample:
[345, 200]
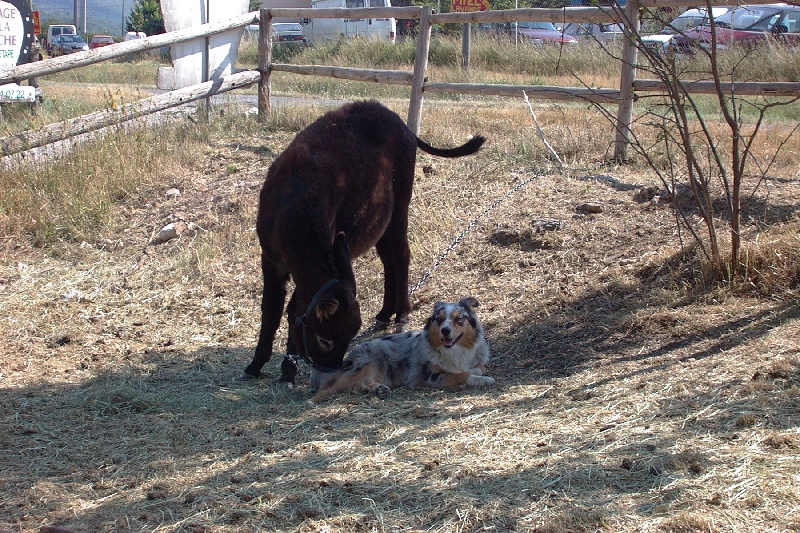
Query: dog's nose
[446, 331]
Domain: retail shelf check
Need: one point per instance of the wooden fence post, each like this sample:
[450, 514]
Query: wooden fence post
[627, 77]
[420, 67]
[466, 43]
[264, 62]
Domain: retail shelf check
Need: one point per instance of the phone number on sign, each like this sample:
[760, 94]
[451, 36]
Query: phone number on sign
[17, 93]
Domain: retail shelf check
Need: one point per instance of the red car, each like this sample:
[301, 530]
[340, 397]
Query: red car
[99, 41]
[752, 25]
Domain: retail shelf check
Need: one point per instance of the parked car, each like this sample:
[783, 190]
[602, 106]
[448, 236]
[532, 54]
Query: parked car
[282, 32]
[288, 33]
[67, 44]
[99, 41]
[540, 33]
[680, 25]
[133, 35]
[753, 25]
[592, 31]
[56, 29]
[747, 26]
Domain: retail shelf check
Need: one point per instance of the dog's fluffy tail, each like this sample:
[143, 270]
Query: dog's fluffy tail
[470, 147]
[344, 381]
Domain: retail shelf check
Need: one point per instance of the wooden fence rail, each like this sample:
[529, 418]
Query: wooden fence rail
[90, 57]
[108, 117]
[623, 97]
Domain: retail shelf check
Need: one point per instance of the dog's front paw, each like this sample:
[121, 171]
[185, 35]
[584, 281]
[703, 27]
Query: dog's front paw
[480, 381]
[380, 390]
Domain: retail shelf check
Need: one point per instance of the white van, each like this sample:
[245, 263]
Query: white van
[134, 35]
[689, 19]
[320, 30]
[57, 29]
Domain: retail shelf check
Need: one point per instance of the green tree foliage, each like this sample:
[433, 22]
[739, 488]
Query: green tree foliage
[255, 5]
[146, 16]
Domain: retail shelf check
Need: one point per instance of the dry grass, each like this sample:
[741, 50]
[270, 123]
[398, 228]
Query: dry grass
[629, 398]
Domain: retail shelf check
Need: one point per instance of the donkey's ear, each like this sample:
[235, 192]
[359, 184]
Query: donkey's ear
[326, 308]
[341, 260]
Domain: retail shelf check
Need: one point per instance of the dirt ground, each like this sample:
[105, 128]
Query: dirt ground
[627, 398]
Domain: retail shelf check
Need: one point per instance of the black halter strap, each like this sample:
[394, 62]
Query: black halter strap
[301, 320]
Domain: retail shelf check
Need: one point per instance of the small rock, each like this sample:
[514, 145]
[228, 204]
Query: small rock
[72, 294]
[590, 207]
[668, 194]
[645, 194]
[169, 232]
[428, 170]
[225, 205]
[547, 224]
[59, 341]
[172, 193]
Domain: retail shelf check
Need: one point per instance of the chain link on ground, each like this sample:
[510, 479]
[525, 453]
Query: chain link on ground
[379, 326]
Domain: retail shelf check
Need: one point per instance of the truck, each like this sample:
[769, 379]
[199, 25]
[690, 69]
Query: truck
[320, 30]
[57, 29]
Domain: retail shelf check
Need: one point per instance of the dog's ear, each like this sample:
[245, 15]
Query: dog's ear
[469, 302]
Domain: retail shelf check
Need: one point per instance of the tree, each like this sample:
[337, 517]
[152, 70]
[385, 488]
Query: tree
[255, 5]
[146, 16]
[710, 163]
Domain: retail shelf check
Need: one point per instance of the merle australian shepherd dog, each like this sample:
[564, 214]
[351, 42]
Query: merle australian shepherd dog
[449, 353]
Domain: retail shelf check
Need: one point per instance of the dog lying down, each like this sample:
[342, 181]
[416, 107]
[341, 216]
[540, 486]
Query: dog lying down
[449, 353]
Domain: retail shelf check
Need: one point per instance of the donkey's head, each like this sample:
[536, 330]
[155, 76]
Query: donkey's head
[323, 320]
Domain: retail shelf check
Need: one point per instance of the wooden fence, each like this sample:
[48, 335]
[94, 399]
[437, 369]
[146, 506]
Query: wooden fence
[623, 97]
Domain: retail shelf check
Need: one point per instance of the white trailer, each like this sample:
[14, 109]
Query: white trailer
[320, 30]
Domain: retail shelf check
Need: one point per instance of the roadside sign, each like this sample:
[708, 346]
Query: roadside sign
[37, 27]
[16, 33]
[16, 38]
[467, 6]
[17, 93]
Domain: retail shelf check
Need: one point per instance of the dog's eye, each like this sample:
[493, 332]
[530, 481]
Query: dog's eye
[459, 320]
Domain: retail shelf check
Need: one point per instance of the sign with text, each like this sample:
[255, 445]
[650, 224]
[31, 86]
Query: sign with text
[17, 93]
[16, 33]
[468, 6]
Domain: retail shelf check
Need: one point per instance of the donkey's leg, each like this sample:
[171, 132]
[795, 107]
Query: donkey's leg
[272, 300]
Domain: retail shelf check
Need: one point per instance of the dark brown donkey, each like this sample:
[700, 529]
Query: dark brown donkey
[342, 186]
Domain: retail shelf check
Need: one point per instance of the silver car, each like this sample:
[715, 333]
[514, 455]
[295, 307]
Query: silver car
[67, 44]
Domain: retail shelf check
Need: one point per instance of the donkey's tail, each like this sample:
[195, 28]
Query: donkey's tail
[470, 147]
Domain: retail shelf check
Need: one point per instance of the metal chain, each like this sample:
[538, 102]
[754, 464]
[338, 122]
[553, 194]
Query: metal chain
[474, 222]
[460, 237]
